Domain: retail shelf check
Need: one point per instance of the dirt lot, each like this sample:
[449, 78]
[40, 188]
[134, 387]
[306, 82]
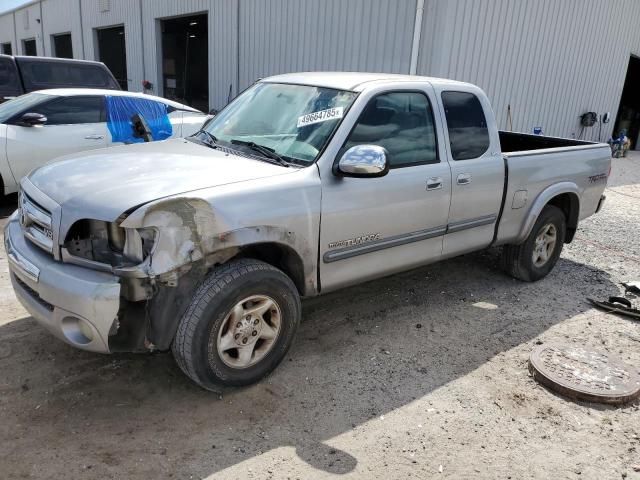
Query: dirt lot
[402, 377]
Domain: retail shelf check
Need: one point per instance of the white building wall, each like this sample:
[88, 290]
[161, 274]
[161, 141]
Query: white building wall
[28, 24]
[223, 51]
[7, 34]
[549, 60]
[279, 36]
[111, 13]
[62, 16]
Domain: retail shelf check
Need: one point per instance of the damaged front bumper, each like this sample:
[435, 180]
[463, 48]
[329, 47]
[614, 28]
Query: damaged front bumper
[78, 305]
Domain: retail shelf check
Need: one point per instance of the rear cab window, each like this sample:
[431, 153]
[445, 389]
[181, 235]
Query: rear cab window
[38, 75]
[466, 124]
[9, 81]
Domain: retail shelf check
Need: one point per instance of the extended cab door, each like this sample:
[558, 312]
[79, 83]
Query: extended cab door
[371, 227]
[477, 169]
[74, 124]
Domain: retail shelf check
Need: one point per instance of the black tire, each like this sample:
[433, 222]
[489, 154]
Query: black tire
[518, 260]
[195, 344]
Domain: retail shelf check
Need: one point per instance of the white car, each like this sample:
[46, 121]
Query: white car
[38, 127]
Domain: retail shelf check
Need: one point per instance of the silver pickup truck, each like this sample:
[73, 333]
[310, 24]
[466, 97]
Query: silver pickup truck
[304, 184]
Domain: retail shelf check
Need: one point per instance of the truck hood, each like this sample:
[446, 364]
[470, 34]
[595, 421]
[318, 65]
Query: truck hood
[102, 184]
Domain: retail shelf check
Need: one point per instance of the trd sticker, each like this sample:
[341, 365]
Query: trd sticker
[321, 116]
[355, 241]
[598, 178]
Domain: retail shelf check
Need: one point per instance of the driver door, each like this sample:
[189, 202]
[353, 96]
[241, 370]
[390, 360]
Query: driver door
[74, 124]
[372, 227]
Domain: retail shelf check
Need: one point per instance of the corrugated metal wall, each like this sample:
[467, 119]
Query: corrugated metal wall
[28, 26]
[62, 16]
[550, 60]
[100, 14]
[279, 36]
[7, 35]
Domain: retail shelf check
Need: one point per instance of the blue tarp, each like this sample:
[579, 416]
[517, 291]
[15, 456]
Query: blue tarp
[121, 109]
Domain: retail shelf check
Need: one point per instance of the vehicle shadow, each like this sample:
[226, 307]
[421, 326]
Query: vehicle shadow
[360, 353]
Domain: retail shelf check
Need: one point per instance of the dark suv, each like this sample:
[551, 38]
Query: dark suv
[20, 75]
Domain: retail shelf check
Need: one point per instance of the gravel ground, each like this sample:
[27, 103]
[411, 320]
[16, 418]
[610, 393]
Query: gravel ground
[402, 377]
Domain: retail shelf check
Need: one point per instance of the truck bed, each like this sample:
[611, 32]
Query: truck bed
[535, 163]
[514, 142]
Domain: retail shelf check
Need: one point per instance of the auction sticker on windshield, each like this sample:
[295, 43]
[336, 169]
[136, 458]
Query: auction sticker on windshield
[321, 116]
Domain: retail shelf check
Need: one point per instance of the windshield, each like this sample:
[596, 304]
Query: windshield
[295, 121]
[21, 104]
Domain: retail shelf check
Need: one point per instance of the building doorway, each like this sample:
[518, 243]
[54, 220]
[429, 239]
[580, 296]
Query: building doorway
[29, 47]
[112, 52]
[62, 46]
[629, 111]
[185, 60]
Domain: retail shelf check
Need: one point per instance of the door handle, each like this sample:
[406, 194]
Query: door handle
[463, 179]
[434, 183]
[94, 137]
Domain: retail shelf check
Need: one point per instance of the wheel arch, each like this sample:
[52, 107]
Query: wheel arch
[280, 256]
[569, 203]
[565, 196]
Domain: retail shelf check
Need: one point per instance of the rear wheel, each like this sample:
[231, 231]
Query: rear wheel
[239, 325]
[538, 254]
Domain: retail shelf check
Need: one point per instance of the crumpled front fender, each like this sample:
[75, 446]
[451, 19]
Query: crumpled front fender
[191, 232]
[185, 228]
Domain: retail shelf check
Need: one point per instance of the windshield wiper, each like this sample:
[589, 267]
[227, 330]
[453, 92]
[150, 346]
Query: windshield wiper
[212, 141]
[264, 151]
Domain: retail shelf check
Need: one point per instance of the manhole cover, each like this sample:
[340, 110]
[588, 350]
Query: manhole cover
[584, 374]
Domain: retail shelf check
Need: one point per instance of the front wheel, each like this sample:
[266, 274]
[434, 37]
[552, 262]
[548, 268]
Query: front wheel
[239, 325]
[536, 257]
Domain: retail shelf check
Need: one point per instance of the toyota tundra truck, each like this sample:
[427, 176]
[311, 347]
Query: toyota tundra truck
[304, 184]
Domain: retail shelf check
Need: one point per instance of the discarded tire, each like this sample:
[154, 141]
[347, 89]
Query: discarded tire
[582, 374]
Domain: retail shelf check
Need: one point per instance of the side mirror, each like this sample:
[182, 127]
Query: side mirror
[363, 161]
[32, 120]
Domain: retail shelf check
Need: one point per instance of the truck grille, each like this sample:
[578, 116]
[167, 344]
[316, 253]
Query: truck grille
[36, 223]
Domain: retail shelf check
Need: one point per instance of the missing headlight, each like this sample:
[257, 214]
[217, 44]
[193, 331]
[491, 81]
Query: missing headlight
[106, 242]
